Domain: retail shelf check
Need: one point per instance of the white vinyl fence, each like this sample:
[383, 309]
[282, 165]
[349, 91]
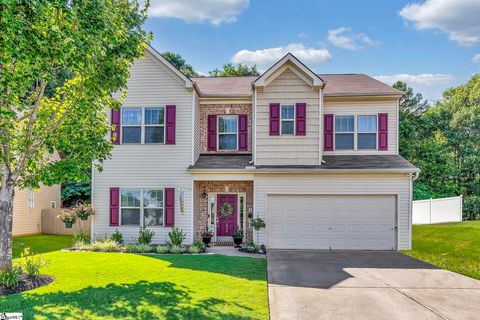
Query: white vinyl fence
[437, 210]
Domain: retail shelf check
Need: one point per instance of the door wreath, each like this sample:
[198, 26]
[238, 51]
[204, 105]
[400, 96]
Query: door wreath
[226, 210]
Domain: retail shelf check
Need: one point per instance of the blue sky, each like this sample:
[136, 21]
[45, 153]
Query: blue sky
[432, 45]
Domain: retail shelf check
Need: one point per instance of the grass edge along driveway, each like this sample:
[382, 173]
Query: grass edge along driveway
[451, 246]
[91, 285]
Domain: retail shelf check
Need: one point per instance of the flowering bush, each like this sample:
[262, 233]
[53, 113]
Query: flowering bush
[83, 211]
[67, 217]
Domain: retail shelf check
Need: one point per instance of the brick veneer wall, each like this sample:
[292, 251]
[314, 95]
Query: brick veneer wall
[221, 109]
[200, 204]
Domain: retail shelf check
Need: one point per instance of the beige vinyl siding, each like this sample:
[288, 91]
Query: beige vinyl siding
[150, 166]
[287, 88]
[366, 107]
[337, 184]
[27, 220]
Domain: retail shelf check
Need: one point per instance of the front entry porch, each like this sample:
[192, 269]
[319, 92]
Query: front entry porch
[223, 207]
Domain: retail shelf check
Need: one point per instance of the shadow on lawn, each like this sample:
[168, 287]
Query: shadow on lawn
[240, 267]
[141, 300]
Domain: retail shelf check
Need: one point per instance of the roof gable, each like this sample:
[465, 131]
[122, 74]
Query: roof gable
[289, 61]
[180, 76]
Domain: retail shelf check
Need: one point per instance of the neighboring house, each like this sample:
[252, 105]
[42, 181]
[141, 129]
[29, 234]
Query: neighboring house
[28, 205]
[316, 156]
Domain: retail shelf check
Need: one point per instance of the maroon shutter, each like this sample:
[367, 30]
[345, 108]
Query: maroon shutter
[328, 132]
[301, 119]
[114, 206]
[115, 134]
[274, 119]
[383, 131]
[243, 132]
[212, 132]
[170, 124]
[169, 207]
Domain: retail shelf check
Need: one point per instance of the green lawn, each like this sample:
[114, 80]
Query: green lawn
[451, 246]
[91, 285]
[40, 243]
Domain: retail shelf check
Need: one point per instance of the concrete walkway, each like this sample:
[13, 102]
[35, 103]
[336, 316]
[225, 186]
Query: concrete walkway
[315, 284]
[233, 252]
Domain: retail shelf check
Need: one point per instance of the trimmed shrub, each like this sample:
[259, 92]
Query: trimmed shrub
[145, 248]
[163, 249]
[117, 236]
[145, 236]
[131, 248]
[82, 236]
[251, 247]
[176, 236]
[177, 250]
[200, 245]
[194, 249]
[105, 245]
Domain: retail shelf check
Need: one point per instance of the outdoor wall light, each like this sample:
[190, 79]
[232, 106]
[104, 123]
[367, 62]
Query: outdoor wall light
[204, 194]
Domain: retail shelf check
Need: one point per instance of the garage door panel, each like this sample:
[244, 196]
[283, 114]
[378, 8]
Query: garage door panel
[331, 221]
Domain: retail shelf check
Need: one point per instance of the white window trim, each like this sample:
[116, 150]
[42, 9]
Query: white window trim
[344, 132]
[227, 133]
[355, 131]
[142, 208]
[294, 118]
[31, 199]
[358, 131]
[142, 125]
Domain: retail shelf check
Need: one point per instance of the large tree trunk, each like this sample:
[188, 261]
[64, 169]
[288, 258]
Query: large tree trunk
[6, 217]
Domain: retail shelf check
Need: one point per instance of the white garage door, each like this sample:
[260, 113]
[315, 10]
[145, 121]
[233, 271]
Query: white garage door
[331, 222]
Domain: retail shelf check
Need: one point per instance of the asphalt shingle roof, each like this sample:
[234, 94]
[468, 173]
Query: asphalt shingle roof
[332, 162]
[337, 84]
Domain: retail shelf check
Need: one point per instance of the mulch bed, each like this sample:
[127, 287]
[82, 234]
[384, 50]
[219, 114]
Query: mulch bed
[26, 283]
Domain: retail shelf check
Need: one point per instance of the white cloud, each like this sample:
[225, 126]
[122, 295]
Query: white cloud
[476, 58]
[459, 18]
[431, 86]
[191, 11]
[264, 58]
[426, 79]
[343, 38]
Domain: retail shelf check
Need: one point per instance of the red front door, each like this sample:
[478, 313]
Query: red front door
[226, 225]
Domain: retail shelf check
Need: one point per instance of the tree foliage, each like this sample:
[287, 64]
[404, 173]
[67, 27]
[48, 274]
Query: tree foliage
[179, 62]
[443, 140]
[60, 64]
[235, 70]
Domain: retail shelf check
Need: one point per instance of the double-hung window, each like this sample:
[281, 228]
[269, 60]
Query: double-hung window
[142, 207]
[344, 132]
[367, 132]
[154, 125]
[143, 125]
[131, 125]
[228, 132]
[287, 119]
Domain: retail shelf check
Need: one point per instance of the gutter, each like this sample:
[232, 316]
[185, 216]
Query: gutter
[251, 169]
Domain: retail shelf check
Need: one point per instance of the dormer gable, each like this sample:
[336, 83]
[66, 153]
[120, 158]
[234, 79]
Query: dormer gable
[290, 62]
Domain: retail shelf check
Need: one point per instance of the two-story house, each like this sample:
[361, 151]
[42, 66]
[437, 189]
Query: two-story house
[314, 155]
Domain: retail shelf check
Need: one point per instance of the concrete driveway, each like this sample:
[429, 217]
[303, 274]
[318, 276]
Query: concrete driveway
[317, 284]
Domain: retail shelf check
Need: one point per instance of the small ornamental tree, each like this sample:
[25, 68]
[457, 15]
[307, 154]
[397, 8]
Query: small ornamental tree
[60, 64]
